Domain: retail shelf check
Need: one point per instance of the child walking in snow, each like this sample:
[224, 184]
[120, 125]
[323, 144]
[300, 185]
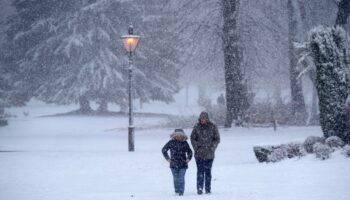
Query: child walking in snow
[180, 156]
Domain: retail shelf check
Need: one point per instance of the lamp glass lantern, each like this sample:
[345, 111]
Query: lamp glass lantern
[130, 42]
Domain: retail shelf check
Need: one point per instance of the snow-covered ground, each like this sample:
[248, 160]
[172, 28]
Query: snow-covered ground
[86, 158]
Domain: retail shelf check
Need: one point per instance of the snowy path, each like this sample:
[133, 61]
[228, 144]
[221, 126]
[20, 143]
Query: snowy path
[77, 158]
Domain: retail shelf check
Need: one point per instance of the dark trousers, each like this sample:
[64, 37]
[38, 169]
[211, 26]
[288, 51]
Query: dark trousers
[204, 173]
[179, 179]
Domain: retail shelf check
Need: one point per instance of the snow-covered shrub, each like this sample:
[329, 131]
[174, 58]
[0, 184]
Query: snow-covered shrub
[181, 121]
[264, 113]
[278, 154]
[346, 150]
[3, 122]
[294, 150]
[322, 151]
[310, 141]
[262, 152]
[289, 150]
[334, 142]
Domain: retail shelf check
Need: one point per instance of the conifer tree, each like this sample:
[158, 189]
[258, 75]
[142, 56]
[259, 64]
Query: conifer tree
[329, 49]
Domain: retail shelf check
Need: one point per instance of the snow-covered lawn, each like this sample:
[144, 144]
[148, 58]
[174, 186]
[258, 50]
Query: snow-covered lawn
[78, 158]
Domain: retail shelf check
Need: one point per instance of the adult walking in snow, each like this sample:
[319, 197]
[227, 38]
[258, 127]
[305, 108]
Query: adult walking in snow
[180, 156]
[205, 138]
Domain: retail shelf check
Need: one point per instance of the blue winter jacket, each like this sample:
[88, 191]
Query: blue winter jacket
[180, 151]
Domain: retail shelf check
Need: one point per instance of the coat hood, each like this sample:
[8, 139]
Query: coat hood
[179, 136]
[204, 115]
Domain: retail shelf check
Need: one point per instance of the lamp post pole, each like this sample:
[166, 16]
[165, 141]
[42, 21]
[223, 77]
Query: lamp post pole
[130, 42]
[131, 116]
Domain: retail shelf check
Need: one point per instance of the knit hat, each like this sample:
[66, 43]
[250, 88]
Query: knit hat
[179, 130]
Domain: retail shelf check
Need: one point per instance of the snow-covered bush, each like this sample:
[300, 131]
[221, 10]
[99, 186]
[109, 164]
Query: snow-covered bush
[181, 121]
[262, 113]
[216, 113]
[321, 150]
[278, 154]
[289, 150]
[262, 152]
[346, 150]
[294, 150]
[334, 142]
[310, 141]
[3, 122]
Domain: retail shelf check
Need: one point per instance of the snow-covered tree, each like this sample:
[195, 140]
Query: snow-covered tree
[33, 22]
[329, 50]
[76, 55]
[298, 110]
[343, 12]
[158, 55]
[5, 89]
[84, 62]
[236, 85]
[262, 29]
[13, 91]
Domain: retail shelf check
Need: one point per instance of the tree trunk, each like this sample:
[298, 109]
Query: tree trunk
[2, 111]
[84, 105]
[298, 110]
[236, 94]
[343, 12]
[141, 104]
[123, 107]
[313, 115]
[103, 108]
[187, 94]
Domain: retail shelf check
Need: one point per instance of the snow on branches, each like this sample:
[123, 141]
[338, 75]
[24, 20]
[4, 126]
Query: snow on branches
[329, 49]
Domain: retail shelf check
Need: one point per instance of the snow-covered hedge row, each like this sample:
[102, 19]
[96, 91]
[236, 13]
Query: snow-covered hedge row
[290, 150]
[277, 153]
[310, 141]
[321, 147]
[322, 151]
[346, 150]
[216, 113]
[334, 142]
[180, 121]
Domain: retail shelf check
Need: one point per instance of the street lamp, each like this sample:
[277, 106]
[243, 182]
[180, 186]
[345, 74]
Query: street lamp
[130, 42]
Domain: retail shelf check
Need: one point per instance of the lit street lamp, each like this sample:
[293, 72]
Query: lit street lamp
[130, 42]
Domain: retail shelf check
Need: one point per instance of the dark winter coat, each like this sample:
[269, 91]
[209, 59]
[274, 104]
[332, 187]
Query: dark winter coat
[205, 139]
[180, 151]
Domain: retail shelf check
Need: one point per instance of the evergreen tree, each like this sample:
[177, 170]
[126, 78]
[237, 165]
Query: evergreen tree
[72, 52]
[33, 22]
[158, 54]
[13, 91]
[343, 12]
[85, 62]
[329, 49]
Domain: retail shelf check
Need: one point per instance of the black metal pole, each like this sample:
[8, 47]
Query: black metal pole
[131, 120]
